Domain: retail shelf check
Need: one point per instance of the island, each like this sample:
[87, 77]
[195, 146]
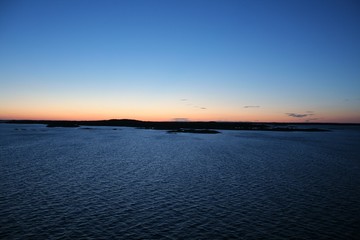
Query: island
[201, 131]
[210, 127]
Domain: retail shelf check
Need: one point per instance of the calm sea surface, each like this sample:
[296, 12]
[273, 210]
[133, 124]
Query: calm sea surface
[101, 183]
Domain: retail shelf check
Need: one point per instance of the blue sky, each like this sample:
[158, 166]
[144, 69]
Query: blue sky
[197, 60]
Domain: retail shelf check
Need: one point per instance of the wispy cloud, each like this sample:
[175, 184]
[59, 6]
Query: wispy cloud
[198, 107]
[299, 115]
[187, 102]
[308, 116]
[251, 106]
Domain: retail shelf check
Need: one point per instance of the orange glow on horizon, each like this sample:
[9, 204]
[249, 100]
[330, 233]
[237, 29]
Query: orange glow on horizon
[165, 117]
[166, 112]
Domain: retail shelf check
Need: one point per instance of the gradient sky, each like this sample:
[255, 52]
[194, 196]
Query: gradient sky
[240, 60]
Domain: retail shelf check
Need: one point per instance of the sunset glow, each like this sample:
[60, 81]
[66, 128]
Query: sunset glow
[266, 61]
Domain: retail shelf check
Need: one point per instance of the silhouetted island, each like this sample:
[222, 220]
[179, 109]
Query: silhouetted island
[63, 124]
[185, 127]
[202, 131]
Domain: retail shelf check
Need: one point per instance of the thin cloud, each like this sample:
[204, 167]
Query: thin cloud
[251, 106]
[187, 102]
[299, 115]
[198, 107]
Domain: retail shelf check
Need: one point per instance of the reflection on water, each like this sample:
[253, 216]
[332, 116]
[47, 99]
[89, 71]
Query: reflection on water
[143, 184]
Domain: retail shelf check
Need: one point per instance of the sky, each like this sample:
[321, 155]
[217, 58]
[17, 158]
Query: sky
[165, 60]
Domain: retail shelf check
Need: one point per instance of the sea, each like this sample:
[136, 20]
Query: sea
[127, 183]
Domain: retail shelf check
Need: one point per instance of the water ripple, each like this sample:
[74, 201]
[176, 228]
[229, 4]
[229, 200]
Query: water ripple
[140, 184]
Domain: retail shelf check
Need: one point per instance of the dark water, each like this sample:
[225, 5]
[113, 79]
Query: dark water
[143, 184]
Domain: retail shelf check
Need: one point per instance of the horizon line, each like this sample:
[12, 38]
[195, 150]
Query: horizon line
[128, 119]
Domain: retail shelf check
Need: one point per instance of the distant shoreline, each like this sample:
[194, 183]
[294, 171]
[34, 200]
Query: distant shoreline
[184, 126]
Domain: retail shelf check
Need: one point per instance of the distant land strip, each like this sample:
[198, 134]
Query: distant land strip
[183, 126]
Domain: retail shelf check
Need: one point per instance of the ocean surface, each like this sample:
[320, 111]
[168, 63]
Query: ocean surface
[125, 183]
